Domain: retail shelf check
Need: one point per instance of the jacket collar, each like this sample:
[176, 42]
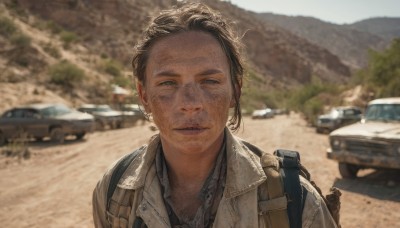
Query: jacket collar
[244, 171]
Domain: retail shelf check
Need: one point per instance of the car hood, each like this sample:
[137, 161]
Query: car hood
[108, 113]
[75, 116]
[388, 130]
[326, 116]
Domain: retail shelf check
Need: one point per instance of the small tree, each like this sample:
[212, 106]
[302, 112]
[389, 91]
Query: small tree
[384, 70]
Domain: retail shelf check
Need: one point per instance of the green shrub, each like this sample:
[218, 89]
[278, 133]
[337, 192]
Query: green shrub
[312, 108]
[383, 72]
[51, 50]
[7, 27]
[66, 74]
[122, 81]
[21, 41]
[68, 38]
[54, 27]
[112, 67]
[104, 56]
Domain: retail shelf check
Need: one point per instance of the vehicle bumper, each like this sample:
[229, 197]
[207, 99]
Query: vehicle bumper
[329, 126]
[364, 160]
[80, 128]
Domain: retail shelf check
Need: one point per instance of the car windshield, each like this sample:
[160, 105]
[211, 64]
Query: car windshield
[383, 112]
[56, 110]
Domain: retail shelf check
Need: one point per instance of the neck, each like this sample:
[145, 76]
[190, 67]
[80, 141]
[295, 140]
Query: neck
[191, 169]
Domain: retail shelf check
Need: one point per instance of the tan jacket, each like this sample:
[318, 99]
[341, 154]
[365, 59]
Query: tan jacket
[139, 187]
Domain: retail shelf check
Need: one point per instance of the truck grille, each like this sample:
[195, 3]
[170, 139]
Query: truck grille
[370, 148]
[325, 120]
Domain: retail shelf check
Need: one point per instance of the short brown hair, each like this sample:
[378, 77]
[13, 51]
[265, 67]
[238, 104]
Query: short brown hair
[193, 17]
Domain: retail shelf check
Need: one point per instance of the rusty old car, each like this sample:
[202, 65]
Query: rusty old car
[372, 143]
[38, 121]
[338, 117]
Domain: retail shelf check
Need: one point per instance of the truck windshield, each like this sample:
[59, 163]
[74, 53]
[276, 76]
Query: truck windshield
[383, 112]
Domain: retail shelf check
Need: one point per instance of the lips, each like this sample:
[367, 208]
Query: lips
[191, 129]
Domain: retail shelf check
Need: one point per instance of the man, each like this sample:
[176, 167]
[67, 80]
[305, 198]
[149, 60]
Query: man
[194, 173]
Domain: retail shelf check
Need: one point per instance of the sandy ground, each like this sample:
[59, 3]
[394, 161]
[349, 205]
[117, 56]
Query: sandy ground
[53, 188]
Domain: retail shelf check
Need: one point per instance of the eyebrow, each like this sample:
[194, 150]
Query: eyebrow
[167, 73]
[170, 73]
[210, 72]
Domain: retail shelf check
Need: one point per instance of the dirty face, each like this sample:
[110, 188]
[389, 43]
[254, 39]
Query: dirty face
[188, 91]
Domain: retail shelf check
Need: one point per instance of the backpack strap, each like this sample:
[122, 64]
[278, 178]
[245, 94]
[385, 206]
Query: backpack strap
[272, 201]
[119, 170]
[290, 171]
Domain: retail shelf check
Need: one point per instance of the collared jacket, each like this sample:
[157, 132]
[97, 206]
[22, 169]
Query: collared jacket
[140, 191]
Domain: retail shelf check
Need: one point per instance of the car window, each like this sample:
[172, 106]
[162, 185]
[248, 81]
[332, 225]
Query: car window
[6, 114]
[30, 113]
[15, 113]
[56, 110]
[383, 112]
[349, 112]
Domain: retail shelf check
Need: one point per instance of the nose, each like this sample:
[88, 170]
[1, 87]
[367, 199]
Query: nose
[191, 100]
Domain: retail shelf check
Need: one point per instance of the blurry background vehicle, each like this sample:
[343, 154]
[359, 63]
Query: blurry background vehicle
[262, 114]
[132, 113]
[38, 121]
[338, 117]
[372, 143]
[105, 116]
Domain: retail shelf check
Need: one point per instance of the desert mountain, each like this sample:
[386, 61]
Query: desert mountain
[106, 30]
[350, 42]
[385, 27]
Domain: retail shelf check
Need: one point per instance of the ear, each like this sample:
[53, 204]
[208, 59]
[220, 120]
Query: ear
[143, 96]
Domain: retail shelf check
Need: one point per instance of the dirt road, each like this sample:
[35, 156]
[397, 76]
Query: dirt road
[53, 188]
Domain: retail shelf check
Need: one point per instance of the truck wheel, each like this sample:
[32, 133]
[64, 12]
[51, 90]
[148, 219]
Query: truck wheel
[99, 125]
[57, 135]
[348, 170]
[39, 139]
[80, 136]
[3, 139]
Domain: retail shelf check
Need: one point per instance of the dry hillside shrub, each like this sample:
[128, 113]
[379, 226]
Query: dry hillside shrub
[7, 27]
[68, 38]
[112, 67]
[66, 74]
[52, 50]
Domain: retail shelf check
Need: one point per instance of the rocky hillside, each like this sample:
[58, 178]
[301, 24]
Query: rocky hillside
[349, 42]
[385, 27]
[92, 34]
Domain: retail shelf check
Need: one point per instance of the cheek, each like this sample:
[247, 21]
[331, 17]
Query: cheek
[220, 101]
[162, 108]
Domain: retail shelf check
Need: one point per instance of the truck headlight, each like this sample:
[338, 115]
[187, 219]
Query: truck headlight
[338, 144]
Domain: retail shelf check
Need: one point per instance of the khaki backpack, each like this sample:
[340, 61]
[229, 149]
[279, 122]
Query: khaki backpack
[280, 198]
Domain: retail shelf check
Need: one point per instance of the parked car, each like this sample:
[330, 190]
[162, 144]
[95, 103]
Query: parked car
[372, 143]
[338, 117]
[44, 120]
[262, 114]
[132, 113]
[105, 116]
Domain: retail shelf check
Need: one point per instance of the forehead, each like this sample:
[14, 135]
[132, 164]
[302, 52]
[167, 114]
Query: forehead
[186, 46]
